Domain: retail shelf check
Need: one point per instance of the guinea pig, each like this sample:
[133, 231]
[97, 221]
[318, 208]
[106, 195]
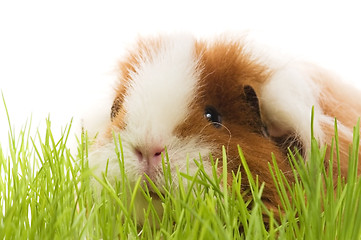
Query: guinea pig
[191, 97]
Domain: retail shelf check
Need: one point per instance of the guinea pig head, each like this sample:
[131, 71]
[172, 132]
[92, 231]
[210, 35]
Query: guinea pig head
[190, 98]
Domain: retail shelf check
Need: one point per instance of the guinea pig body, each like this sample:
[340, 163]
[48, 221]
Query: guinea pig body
[192, 97]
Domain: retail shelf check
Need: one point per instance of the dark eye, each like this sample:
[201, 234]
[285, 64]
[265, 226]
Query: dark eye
[213, 116]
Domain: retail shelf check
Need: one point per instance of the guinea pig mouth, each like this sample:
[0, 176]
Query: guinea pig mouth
[154, 193]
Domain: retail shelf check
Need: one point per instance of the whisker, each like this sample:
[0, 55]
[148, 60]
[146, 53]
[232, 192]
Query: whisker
[224, 126]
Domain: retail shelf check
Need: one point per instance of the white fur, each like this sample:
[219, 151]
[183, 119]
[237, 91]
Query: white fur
[288, 96]
[161, 90]
[287, 100]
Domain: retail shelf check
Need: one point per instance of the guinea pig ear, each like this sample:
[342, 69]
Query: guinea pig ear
[115, 108]
[252, 100]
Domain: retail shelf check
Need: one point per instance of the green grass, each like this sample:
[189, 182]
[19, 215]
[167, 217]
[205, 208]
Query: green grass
[46, 193]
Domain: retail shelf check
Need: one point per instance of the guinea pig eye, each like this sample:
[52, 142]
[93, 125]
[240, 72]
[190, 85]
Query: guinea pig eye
[213, 116]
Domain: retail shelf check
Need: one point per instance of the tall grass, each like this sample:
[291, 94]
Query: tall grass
[46, 193]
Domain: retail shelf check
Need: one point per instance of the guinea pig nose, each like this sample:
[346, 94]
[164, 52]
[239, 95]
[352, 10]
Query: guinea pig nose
[151, 156]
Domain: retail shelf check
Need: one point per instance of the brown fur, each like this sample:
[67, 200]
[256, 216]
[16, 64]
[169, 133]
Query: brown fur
[338, 100]
[226, 70]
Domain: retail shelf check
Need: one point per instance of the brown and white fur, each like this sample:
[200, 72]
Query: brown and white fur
[171, 88]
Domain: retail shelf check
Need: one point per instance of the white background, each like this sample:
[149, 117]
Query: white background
[58, 57]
